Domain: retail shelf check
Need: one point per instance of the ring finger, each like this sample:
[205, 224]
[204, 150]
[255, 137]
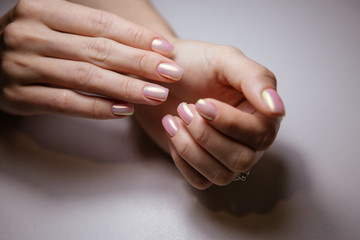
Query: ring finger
[85, 77]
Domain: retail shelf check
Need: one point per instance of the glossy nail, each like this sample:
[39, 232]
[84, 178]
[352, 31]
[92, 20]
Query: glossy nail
[156, 93]
[273, 101]
[185, 112]
[161, 46]
[206, 109]
[122, 109]
[170, 125]
[170, 71]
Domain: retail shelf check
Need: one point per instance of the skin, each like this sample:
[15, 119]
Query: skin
[205, 151]
[214, 152]
[51, 50]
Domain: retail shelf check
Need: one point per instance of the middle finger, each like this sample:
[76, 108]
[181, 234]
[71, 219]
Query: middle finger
[108, 54]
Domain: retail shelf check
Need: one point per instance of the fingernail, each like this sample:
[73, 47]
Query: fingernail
[156, 93]
[162, 46]
[273, 101]
[170, 125]
[122, 109]
[206, 109]
[170, 71]
[186, 113]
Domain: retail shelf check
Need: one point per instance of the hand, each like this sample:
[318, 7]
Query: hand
[225, 133]
[60, 57]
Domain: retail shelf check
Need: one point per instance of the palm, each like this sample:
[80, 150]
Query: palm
[201, 78]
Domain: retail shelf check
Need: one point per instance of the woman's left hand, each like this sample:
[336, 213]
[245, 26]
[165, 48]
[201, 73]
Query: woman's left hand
[225, 133]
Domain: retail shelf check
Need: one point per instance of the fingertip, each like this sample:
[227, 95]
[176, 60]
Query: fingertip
[162, 47]
[170, 125]
[123, 109]
[170, 71]
[206, 109]
[186, 112]
[273, 102]
[156, 94]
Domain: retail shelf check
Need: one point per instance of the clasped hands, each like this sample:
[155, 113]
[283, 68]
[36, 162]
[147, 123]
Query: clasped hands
[60, 57]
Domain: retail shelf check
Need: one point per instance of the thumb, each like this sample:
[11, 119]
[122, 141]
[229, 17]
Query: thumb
[256, 82]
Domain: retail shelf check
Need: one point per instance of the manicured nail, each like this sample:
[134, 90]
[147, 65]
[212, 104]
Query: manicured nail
[161, 46]
[156, 93]
[273, 101]
[206, 109]
[170, 125]
[186, 113]
[122, 109]
[170, 71]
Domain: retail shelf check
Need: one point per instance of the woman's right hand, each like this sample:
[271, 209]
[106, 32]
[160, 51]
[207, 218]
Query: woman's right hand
[60, 57]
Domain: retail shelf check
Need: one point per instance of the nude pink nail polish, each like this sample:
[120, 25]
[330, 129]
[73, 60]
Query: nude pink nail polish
[205, 109]
[161, 46]
[273, 101]
[185, 112]
[156, 93]
[170, 125]
[122, 109]
[170, 71]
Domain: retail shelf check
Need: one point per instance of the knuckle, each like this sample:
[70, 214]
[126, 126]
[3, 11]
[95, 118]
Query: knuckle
[94, 109]
[265, 138]
[185, 150]
[126, 88]
[100, 23]
[19, 34]
[83, 74]
[7, 64]
[232, 127]
[223, 177]
[231, 49]
[61, 102]
[99, 49]
[12, 35]
[242, 160]
[202, 135]
[11, 93]
[142, 62]
[200, 183]
[137, 35]
[28, 8]
[260, 72]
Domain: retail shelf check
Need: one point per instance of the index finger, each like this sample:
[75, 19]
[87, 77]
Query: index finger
[77, 19]
[256, 82]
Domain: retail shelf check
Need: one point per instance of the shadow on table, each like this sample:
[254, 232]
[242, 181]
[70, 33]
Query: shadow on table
[99, 141]
[69, 157]
[267, 184]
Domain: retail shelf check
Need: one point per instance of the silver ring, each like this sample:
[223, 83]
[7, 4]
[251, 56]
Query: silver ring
[242, 176]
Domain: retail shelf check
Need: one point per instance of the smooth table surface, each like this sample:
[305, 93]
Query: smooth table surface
[68, 178]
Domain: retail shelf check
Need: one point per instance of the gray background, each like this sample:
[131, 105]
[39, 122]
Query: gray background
[66, 178]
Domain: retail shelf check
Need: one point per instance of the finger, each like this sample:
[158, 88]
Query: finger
[69, 17]
[111, 55]
[6, 19]
[194, 154]
[88, 78]
[190, 174]
[30, 100]
[256, 82]
[256, 132]
[232, 154]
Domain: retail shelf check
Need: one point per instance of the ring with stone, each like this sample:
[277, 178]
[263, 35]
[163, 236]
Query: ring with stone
[242, 176]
